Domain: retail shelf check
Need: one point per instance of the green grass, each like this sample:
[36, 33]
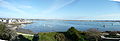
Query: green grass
[29, 37]
[71, 35]
[47, 36]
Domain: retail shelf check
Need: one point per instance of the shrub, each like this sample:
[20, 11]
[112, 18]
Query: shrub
[5, 33]
[60, 37]
[75, 34]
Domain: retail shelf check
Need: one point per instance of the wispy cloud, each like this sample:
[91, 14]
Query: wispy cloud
[9, 6]
[107, 17]
[57, 5]
[100, 17]
[116, 0]
[25, 6]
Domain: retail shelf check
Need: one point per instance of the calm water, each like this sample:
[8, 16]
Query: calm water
[60, 26]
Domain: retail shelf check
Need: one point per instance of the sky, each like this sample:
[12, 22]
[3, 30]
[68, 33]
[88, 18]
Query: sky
[61, 9]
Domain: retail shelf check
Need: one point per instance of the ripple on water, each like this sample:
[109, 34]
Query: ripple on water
[53, 26]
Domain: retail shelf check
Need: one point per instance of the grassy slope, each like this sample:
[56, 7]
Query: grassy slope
[48, 36]
[29, 37]
[72, 34]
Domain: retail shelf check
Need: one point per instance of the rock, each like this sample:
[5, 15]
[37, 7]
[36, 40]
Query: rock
[26, 31]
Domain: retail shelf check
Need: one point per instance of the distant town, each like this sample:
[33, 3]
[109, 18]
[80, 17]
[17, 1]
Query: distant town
[14, 20]
[21, 20]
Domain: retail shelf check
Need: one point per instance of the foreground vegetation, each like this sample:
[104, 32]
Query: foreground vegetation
[5, 33]
[70, 35]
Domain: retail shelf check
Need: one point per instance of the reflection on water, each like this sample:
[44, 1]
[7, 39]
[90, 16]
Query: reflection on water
[58, 26]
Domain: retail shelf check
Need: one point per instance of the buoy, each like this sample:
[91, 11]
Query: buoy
[103, 25]
[112, 24]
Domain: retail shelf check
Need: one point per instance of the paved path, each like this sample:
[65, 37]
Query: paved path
[108, 37]
[25, 34]
[3, 40]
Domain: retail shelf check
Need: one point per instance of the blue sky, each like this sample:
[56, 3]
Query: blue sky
[61, 9]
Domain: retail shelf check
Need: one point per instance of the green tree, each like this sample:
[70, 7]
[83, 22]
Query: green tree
[5, 33]
[74, 34]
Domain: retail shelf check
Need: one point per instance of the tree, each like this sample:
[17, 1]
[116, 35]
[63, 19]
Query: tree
[5, 33]
[36, 37]
[74, 34]
[60, 37]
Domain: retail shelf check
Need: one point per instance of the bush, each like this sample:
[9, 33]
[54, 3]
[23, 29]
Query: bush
[75, 35]
[60, 37]
[5, 33]
[113, 33]
[21, 38]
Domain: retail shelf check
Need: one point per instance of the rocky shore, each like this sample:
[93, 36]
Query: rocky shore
[26, 31]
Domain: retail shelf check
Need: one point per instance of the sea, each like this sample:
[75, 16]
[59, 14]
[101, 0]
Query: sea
[62, 26]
